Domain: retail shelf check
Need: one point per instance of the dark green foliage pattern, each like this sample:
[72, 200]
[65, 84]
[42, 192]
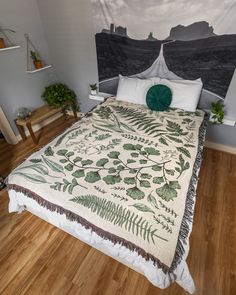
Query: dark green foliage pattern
[120, 216]
[135, 172]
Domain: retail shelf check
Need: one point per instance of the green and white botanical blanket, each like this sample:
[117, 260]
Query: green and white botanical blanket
[123, 172]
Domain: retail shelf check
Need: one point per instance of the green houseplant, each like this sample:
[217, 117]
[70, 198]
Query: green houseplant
[93, 88]
[60, 95]
[36, 60]
[217, 112]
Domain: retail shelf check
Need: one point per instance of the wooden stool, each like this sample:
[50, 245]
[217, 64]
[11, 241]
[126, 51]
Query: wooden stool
[37, 116]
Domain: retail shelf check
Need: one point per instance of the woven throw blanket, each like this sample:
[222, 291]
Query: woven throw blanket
[124, 172]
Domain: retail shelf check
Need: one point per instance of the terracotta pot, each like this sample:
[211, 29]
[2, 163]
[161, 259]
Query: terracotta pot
[2, 43]
[38, 64]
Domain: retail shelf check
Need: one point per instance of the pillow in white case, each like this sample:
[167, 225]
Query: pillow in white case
[185, 93]
[133, 89]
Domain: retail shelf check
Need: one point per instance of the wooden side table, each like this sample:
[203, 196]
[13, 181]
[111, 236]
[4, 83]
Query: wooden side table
[38, 116]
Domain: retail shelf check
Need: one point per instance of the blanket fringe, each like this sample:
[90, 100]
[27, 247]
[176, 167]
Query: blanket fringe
[190, 199]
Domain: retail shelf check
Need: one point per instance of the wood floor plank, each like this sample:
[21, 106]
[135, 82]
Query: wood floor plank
[38, 258]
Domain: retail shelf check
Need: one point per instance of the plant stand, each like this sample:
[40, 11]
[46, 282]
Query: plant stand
[38, 116]
[9, 45]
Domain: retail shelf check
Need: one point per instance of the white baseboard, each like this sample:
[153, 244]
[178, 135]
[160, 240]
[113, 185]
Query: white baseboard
[220, 147]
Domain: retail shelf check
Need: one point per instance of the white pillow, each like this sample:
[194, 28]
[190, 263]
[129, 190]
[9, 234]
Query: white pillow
[133, 89]
[185, 93]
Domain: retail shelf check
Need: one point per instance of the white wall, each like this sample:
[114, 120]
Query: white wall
[17, 88]
[68, 30]
[69, 33]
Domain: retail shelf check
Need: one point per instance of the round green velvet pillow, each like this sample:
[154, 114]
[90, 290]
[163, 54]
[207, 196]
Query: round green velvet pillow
[159, 97]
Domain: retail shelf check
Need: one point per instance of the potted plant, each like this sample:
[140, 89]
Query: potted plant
[2, 43]
[217, 112]
[93, 88]
[36, 60]
[59, 95]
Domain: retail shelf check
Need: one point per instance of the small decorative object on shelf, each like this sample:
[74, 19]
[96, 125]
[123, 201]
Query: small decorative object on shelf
[23, 113]
[217, 112]
[93, 88]
[5, 42]
[59, 95]
[34, 60]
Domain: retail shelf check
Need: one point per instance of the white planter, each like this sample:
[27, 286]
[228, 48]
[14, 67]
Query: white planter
[94, 92]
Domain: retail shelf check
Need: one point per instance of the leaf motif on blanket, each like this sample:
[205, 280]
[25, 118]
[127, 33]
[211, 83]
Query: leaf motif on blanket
[119, 216]
[168, 190]
[32, 177]
[53, 165]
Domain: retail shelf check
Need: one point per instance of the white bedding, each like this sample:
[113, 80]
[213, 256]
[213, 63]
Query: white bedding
[29, 189]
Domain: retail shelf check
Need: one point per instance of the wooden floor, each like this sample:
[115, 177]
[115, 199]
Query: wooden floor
[37, 258]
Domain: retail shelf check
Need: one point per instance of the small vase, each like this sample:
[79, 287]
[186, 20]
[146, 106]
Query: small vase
[2, 43]
[38, 64]
[94, 92]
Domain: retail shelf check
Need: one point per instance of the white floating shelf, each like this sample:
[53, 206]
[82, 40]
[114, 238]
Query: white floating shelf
[226, 121]
[100, 96]
[9, 48]
[39, 70]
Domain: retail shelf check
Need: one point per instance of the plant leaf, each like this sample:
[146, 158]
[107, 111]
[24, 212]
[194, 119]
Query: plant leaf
[184, 151]
[174, 184]
[152, 151]
[166, 192]
[77, 159]
[145, 183]
[112, 170]
[158, 180]
[156, 168]
[86, 162]
[53, 165]
[35, 160]
[78, 173]
[102, 162]
[145, 176]
[170, 171]
[151, 199]
[135, 193]
[49, 151]
[143, 208]
[113, 155]
[112, 179]
[62, 152]
[32, 177]
[129, 180]
[69, 167]
[129, 147]
[130, 161]
[92, 176]
[163, 141]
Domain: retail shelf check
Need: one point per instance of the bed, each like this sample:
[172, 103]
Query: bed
[122, 180]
